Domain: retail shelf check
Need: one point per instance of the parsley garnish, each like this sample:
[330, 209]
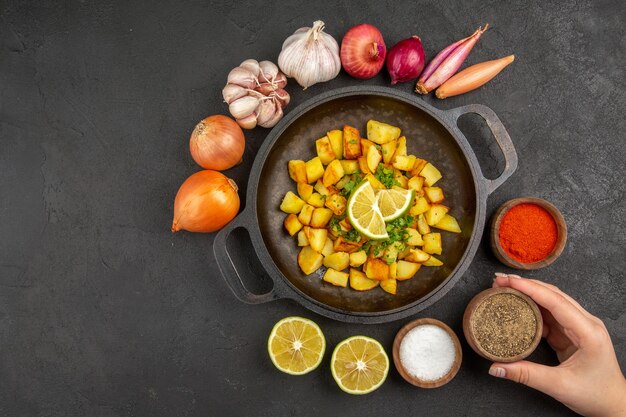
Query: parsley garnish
[385, 176]
[351, 185]
[353, 236]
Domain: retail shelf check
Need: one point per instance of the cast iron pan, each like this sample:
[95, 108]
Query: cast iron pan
[431, 134]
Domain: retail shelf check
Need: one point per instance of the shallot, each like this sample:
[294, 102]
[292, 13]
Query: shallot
[406, 60]
[447, 62]
[473, 77]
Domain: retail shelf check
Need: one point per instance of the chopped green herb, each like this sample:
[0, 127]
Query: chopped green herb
[351, 185]
[385, 176]
[353, 236]
[352, 142]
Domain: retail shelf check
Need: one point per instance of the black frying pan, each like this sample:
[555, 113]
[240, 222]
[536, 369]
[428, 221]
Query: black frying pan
[431, 134]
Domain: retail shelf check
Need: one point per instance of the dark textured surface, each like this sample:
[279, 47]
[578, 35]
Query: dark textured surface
[103, 312]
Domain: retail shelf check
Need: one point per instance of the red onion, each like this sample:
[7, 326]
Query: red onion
[363, 51]
[406, 60]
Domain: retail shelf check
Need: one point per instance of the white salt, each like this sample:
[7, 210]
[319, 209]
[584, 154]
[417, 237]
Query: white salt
[427, 352]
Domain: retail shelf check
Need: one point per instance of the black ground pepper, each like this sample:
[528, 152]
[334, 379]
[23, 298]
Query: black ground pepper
[504, 325]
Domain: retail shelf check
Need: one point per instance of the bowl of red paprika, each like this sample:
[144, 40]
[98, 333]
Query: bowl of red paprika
[528, 233]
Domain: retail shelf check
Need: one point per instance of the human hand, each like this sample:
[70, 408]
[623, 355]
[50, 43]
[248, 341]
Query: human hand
[588, 379]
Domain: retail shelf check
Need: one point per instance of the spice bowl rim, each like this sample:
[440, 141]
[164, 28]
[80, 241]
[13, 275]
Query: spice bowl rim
[458, 354]
[507, 260]
[469, 333]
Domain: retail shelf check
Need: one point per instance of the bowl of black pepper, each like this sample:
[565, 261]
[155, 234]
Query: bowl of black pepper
[502, 325]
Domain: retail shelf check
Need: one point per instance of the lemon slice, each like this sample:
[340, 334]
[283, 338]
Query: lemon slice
[296, 345]
[364, 214]
[395, 202]
[359, 365]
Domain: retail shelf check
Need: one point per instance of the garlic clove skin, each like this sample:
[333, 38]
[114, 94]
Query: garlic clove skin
[248, 122]
[243, 107]
[277, 116]
[265, 112]
[232, 92]
[253, 66]
[282, 97]
[242, 77]
[269, 71]
[310, 56]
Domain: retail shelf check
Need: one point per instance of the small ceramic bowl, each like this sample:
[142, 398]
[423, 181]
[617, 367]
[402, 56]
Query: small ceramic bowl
[468, 329]
[419, 382]
[513, 263]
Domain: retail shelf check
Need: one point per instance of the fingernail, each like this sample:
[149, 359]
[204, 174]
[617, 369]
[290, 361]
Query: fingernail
[500, 274]
[515, 276]
[497, 372]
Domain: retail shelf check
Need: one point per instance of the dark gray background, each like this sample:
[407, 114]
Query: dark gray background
[103, 312]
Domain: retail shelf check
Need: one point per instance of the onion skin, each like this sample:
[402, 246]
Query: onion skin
[363, 51]
[448, 62]
[217, 142]
[206, 202]
[473, 77]
[406, 60]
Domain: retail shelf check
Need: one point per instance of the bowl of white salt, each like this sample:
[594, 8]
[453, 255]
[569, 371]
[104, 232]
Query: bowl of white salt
[427, 353]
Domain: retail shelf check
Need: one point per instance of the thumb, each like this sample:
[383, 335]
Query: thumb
[540, 377]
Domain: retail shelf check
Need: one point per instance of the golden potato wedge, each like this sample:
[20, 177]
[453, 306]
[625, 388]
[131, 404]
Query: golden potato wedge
[374, 181]
[362, 160]
[337, 278]
[449, 224]
[309, 260]
[388, 150]
[417, 255]
[392, 251]
[342, 245]
[434, 194]
[422, 225]
[324, 150]
[421, 206]
[337, 203]
[415, 239]
[328, 247]
[406, 270]
[360, 282]
[373, 158]
[337, 261]
[431, 174]
[321, 188]
[345, 224]
[334, 172]
[358, 258]
[305, 190]
[317, 238]
[432, 243]
[432, 261]
[403, 163]
[380, 133]
[375, 268]
[349, 166]
[332, 190]
[435, 213]
[389, 285]
[297, 171]
[314, 169]
[320, 218]
[393, 270]
[418, 165]
[400, 148]
[342, 182]
[305, 214]
[302, 239]
[292, 224]
[336, 142]
[365, 146]
[351, 143]
[416, 183]
[291, 203]
[316, 200]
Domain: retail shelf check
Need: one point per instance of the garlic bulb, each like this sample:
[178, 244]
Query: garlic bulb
[310, 56]
[255, 94]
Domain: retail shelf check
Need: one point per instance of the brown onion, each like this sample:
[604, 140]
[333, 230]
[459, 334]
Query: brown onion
[217, 142]
[206, 202]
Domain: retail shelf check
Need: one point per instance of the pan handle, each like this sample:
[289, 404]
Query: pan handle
[227, 266]
[502, 138]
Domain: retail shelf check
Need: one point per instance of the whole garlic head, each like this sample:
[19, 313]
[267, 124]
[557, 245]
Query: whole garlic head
[255, 94]
[310, 56]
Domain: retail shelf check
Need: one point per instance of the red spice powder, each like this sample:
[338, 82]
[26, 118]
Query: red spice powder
[528, 233]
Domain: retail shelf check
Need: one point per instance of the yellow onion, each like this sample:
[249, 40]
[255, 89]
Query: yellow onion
[217, 142]
[206, 202]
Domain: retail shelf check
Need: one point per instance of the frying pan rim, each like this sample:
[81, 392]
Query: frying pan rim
[442, 117]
